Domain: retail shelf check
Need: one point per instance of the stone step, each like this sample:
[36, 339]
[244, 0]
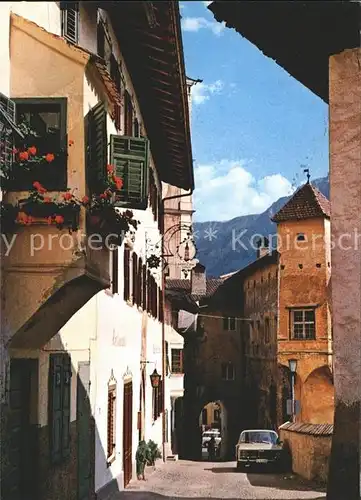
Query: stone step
[172, 458]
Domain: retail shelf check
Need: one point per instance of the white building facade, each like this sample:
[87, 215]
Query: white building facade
[81, 344]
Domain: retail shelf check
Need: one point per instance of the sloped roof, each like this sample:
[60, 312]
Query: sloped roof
[312, 429]
[149, 34]
[212, 285]
[308, 202]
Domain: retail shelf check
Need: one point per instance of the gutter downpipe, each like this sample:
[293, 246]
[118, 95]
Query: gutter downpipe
[164, 357]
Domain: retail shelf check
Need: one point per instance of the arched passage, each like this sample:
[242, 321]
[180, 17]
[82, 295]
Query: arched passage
[213, 420]
[318, 397]
[232, 423]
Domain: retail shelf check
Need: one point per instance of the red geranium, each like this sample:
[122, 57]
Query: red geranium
[23, 156]
[110, 168]
[40, 189]
[67, 196]
[118, 182]
[59, 219]
[49, 157]
[32, 151]
[85, 199]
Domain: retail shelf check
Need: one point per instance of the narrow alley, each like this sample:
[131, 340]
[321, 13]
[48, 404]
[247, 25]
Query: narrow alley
[186, 479]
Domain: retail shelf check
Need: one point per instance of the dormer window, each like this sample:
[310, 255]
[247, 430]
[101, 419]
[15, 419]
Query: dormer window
[70, 21]
[301, 237]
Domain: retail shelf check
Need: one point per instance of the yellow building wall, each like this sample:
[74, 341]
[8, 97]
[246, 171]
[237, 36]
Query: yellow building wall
[304, 275]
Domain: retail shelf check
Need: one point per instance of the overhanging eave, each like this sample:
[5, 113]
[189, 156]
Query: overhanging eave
[300, 36]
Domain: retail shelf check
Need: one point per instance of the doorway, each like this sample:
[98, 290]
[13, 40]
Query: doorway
[22, 478]
[127, 431]
[213, 426]
[84, 432]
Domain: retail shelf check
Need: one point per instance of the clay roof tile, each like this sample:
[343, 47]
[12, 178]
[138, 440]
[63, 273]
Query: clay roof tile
[307, 202]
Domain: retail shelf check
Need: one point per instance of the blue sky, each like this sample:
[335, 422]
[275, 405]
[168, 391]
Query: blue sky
[253, 125]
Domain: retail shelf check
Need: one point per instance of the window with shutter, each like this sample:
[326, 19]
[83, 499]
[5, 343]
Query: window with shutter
[130, 157]
[128, 114]
[70, 21]
[47, 119]
[136, 128]
[134, 277]
[160, 216]
[139, 278]
[111, 445]
[149, 292]
[115, 72]
[97, 146]
[66, 406]
[115, 270]
[177, 360]
[118, 117]
[59, 406]
[100, 39]
[126, 266]
[167, 366]
[160, 305]
[144, 288]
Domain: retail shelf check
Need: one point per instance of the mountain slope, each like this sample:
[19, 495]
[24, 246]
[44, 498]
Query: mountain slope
[227, 246]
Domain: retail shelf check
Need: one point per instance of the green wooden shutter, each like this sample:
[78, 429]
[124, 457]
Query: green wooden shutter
[98, 147]
[130, 157]
[66, 406]
[55, 406]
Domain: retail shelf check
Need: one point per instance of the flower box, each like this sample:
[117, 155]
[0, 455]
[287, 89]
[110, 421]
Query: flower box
[51, 213]
[107, 221]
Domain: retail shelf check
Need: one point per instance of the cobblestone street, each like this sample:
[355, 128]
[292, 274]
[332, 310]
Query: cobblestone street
[183, 480]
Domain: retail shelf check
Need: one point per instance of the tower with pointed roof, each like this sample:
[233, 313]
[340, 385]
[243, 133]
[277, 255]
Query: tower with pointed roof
[304, 328]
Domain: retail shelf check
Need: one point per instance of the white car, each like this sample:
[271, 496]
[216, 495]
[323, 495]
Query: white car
[260, 446]
[206, 436]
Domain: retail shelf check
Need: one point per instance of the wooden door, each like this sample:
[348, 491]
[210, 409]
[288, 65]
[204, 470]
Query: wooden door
[21, 479]
[127, 431]
[85, 437]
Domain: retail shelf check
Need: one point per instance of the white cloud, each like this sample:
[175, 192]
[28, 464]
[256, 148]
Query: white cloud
[196, 23]
[182, 6]
[203, 91]
[227, 189]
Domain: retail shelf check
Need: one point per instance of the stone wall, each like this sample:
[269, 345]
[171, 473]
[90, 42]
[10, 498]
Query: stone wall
[316, 439]
[260, 306]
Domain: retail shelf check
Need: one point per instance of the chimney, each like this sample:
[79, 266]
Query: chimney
[262, 247]
[198, 280]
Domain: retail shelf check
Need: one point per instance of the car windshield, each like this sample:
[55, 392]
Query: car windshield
[210, 434]
[258, 437]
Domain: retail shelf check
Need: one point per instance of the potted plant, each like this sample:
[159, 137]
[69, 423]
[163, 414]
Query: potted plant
[33, 158]
[62, 211]
[154, 452]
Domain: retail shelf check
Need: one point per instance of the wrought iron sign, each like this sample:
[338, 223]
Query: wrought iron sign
[184, 253]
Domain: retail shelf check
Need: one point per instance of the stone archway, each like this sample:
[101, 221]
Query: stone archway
[223, 424]
[318, 397]
[193, 404]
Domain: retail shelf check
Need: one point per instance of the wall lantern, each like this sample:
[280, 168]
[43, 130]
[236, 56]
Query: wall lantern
[292, 363]
[155, 379]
